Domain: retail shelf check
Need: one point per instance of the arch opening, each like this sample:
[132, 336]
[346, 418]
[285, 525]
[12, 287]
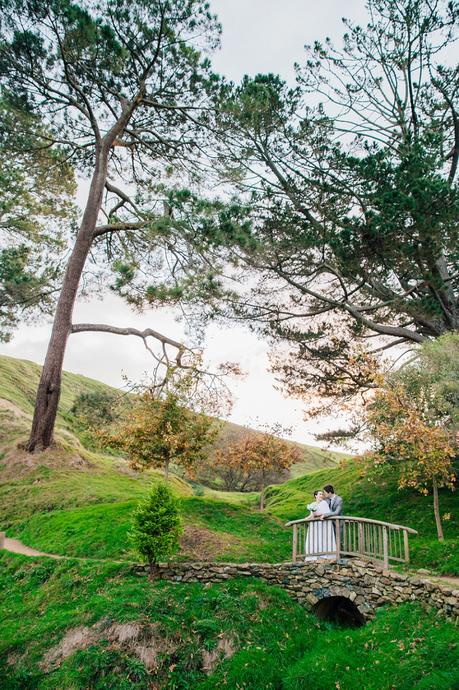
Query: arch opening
[339, 610]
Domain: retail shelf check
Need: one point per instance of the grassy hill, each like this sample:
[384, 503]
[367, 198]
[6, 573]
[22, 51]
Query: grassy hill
[19, 380]
[74, 625]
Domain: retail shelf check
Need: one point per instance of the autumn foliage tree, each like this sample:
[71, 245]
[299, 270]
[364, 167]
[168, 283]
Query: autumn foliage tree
[414, 422]
[158, 431]
[258, 457]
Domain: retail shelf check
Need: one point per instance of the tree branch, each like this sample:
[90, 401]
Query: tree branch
[147, 333]
[117, 227]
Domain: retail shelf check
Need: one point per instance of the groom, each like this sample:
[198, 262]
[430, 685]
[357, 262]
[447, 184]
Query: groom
[334, 501]
[336, 507]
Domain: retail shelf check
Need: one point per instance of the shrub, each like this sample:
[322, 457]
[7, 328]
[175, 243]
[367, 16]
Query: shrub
[157, 526]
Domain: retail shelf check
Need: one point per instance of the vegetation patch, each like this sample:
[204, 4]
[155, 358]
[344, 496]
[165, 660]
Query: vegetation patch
[69, 625]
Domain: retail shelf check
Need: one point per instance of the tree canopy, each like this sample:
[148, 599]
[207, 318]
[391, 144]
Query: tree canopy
[121, 88]
[348, 185]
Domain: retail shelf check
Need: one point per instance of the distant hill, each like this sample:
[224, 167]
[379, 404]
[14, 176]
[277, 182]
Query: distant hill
[19, 380]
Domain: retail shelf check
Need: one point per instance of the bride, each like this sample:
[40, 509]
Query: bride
[320, 537]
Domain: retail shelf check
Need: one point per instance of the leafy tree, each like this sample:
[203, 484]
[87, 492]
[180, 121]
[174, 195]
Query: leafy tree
[256, 459]
[348, 197]
[120, 87]
[158, 431]
[414, 421]
[95, 409]
[156, 526]
[37, 186]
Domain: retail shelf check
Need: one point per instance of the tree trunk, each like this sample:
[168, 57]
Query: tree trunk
[166, 471]
[262, 497]
[49, 387]
[437, 511]
[153, 570]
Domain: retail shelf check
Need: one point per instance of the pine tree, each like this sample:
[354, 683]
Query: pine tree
[157, 526]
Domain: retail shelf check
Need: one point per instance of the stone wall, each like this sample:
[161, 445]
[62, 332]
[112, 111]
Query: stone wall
[362, 582]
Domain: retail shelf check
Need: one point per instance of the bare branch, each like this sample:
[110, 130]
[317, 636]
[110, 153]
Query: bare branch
[147, 333]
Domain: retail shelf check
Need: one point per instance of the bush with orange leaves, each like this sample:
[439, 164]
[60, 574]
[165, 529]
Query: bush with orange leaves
[258, 456]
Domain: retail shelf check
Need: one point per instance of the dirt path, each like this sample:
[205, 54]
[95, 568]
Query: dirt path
[443, 580]
[16, 546]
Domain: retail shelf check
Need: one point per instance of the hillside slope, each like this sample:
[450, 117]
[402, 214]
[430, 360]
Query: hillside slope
[19, 380]
[75, 501]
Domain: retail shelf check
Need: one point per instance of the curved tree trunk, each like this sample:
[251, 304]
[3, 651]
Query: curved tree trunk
[49, 387]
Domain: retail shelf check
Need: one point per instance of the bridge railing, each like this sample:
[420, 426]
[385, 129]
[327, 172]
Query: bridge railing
[344, 535]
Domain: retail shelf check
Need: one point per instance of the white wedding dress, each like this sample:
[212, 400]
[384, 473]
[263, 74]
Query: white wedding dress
[320, 538]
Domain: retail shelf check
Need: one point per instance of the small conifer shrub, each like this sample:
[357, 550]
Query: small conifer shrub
[157, 526]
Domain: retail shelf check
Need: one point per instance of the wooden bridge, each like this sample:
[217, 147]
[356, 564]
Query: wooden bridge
[374, 540]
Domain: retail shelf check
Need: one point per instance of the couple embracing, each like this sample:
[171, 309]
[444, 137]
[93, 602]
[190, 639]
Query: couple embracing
[320, 537]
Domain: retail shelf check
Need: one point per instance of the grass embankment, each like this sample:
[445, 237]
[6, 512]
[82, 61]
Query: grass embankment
[214, 530]
[73, 626]
[74, 501]
[288, 501]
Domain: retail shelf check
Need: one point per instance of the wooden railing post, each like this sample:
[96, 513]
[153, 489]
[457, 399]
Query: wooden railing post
[406, 545]
[367, 538]
[361, 538]
[385, 549]
[338, 538]
[295, 543]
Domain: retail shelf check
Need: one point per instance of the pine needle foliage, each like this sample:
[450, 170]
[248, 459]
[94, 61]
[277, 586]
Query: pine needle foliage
[157, 526]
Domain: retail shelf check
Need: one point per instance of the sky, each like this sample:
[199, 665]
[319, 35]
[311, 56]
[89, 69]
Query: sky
[258, 36]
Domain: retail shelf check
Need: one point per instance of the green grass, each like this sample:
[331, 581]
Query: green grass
[272, 642]
[101, 531]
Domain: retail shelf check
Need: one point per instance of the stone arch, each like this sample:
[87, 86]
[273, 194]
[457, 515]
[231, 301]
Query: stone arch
[339, 609]
[341, 603]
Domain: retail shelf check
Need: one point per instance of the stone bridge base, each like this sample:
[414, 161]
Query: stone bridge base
[360, 586]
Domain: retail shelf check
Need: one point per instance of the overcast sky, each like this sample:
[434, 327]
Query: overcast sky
[258, 36]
